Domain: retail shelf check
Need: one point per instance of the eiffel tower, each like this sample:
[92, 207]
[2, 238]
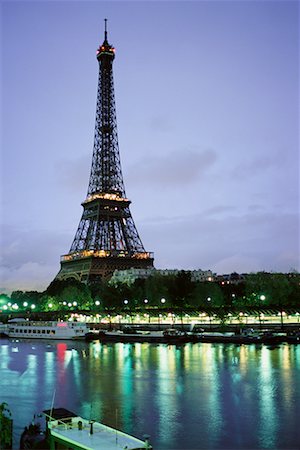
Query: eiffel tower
[106, 238]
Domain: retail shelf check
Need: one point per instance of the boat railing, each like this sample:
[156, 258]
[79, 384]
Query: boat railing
[66, 423]
[75, 422]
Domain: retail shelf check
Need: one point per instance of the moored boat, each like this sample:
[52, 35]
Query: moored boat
[228, 337]
[169, 336]
[293, 337]
[269, 337]
[66, 430]
[46, 330]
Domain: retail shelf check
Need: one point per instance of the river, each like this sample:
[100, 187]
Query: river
[188, 397]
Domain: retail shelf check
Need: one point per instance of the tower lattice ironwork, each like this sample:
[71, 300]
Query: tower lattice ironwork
[106, 238]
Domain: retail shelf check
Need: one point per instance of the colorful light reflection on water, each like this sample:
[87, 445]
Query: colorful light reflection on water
[196, 396]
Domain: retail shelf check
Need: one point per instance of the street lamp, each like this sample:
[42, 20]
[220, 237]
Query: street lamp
[145, 301]
[125, 302]
[97, 303]
[163, 300]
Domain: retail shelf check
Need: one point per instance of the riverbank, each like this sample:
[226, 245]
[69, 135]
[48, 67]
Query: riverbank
[197, 335]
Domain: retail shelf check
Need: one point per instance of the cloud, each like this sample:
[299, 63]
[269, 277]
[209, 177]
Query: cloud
[73, 174]
[30, 258]
[221, 239]
[226, 242]
[161, 124]
[30, 276]
[234, 263]
[176, 169]
[255, 166]
[221, 209]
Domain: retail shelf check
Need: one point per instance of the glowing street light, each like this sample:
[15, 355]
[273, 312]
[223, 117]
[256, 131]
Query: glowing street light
[145, 301]
[262, 297]
[25, 304]
[163, 300]
[125, 302]
[97, 303]
[32, 306]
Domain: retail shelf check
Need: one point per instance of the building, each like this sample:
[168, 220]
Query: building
[130, 275]
[106, 239]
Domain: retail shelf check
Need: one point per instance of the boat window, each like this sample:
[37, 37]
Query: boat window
[43, 331]
[34, 331]
[48, 331]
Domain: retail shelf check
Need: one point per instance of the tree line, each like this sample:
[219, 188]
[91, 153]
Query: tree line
[261, 290]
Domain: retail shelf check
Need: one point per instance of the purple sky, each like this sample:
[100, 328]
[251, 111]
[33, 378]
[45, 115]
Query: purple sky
[207, 106]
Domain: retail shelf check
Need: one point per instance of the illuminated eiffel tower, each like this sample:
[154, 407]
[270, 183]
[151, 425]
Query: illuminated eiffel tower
[106, 238]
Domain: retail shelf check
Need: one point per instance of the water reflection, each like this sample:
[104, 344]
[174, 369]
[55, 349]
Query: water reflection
[196, 396]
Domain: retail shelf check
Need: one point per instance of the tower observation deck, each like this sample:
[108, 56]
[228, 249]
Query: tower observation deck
[106, 238]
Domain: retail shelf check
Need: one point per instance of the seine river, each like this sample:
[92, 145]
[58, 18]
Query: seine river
[194, 396]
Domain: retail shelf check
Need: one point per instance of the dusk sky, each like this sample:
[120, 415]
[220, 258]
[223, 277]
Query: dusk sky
[207, 98]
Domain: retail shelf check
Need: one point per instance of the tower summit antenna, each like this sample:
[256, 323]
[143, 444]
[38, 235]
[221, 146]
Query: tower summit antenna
[105, 29]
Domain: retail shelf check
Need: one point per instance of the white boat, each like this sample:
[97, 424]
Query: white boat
[66, 430]
[46, 330]
[3, 329]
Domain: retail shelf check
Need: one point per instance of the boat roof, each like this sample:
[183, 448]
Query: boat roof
[17, 320]
[59, 413]
[65, 425]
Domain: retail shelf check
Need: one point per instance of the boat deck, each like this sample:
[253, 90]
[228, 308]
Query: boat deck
[78, 432]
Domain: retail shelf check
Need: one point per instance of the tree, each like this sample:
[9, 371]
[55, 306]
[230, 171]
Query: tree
[207, 294]
[181, 288]
[294, 295]
[156, 289]
[70, 290]
[5, 427]
[264, 289]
